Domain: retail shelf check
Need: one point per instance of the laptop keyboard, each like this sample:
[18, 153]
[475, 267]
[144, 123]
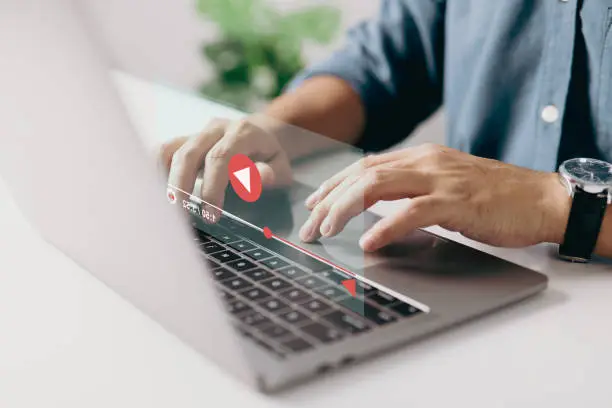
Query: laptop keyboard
[289, 303]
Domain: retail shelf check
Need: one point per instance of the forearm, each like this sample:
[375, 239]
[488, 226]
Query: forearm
[324, 105]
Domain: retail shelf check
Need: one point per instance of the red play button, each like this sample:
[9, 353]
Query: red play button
[245, 178]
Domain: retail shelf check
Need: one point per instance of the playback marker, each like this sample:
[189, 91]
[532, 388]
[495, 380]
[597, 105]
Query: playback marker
[350, 284]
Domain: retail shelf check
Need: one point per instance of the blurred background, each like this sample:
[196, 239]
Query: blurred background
[240, 52]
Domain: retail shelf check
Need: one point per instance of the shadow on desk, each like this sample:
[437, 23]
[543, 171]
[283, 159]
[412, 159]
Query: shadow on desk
[431, 344]
[599, 267]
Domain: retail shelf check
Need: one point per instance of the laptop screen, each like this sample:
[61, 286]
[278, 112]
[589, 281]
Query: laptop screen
[268, 188]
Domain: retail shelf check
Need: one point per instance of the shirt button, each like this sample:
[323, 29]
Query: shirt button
[550, 114]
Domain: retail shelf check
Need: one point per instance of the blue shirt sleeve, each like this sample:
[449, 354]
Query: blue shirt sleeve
[395, 64]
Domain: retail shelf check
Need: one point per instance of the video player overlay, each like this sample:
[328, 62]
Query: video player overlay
[249, 215]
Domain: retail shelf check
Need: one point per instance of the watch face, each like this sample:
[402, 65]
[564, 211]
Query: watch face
[588, 172]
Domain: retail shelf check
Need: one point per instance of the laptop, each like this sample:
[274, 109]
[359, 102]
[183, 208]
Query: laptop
[274, 312]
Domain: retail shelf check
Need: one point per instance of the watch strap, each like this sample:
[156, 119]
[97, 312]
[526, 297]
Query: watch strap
[583, 226]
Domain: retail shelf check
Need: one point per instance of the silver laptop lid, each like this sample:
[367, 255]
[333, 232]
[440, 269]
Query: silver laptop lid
[80, 175]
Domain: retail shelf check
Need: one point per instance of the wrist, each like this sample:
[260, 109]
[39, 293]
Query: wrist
[556, 206]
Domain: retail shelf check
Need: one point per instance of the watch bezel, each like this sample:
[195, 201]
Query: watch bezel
[571, 181]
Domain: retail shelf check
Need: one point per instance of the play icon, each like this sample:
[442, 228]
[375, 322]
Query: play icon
[244, 178]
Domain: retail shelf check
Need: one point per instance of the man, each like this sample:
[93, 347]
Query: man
[526, 84]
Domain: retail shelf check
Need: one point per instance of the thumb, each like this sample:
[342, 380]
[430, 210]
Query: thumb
[419, 213]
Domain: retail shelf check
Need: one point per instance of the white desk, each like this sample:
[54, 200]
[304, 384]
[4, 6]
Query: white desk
[67, 341]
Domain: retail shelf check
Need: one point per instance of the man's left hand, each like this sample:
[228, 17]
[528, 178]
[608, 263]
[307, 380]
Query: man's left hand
[486, 200]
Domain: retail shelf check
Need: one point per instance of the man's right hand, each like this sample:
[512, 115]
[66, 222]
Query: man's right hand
[208, 154]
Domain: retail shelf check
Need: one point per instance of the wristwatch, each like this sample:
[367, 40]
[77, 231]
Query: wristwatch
[589, 183]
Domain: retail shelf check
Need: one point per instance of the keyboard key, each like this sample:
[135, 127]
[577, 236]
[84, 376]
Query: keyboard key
[211, 247]
[322, 333]
[242, 246]
[258, 254]
[258, 274]
[255, 294]
[268, 347]
[211, 264]
[223, 274]
[334, 276]
[226, 297]
[237, 307]
[294, 317]
[381, 298]
[203, 239]
[210, 230]
[226, 237]
[363, 288]
[332, 292]
[309, 262]
[255, 319]
[201, 236]
[292, 272]
[297, 256]
[276, 332]
[338, 277]
[274, 263]
[225, 256]
[404, 309]
[317, 306]
[241, 265]
[243, 331]
[347, 322]
[232, 225]
[274, 305]
[297, 345]
[295, 295]
[311, 282]
[237, 284]
[380, 317]
[276, 284]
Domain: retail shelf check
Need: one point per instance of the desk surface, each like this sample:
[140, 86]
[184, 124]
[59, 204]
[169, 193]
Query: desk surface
[68, 341]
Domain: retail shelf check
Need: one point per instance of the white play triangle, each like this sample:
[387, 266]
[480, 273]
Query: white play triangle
[244, 176]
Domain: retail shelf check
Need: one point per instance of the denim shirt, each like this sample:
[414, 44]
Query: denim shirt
[521, 80]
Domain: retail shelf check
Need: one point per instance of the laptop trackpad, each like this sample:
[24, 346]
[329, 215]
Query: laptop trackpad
[444, 274]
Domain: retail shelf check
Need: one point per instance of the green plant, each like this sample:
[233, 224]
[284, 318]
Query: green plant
[259, 49]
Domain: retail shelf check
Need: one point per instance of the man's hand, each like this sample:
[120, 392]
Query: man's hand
[486, 200]
[210, 151]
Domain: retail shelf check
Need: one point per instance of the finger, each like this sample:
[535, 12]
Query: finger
[266, 173]
[167, 150]
[240, 137]
[188, 159]
[421, 212]
[216, 178]
[379, 184]
[276, 172]
[330, 184]
[311, 230]
[405, 158]
[359, 166]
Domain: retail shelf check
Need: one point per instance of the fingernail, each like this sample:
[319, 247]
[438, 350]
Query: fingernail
[367, 243]
[326, 228]
[312, 199]
[306, 231]
[309, 203]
